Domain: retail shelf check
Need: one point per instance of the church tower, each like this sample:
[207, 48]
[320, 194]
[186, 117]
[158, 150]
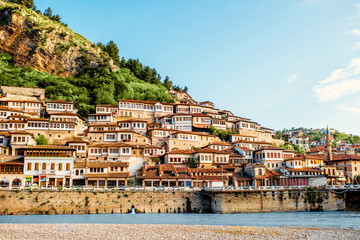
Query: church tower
[328, 144]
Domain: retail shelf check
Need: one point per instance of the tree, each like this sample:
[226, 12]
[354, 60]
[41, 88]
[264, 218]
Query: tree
[48, 13]
[212, 130]
[42, 140]
[167, 83]
[299, 148]
[26, 3]
[112, 49]
[156, 160]
[193, 162]
[185, 89]
[222, 134]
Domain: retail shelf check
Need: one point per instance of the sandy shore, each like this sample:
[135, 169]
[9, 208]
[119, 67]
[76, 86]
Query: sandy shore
[128, 231]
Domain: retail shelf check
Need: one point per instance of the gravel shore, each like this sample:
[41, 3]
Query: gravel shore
[148, 231]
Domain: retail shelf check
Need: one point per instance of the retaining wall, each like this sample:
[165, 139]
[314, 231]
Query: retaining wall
[79, 202]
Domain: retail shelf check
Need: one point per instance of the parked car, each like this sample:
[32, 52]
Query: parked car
[122, 188]
[160, 188]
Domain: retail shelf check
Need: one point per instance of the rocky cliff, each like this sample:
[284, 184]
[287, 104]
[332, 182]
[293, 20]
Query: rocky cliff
[36, 41]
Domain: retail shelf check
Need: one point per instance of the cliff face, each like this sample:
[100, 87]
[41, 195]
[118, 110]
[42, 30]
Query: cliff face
[45, 45]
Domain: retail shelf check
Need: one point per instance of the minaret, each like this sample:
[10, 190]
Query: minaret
[328, 143]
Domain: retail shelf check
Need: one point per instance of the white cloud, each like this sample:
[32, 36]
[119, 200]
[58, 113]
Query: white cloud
[291, 78]
[356, 31]
[341, 82]
[348, 108]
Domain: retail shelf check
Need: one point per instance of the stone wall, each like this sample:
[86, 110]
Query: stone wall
[275, 201]
[24, 91]
[53, 202]
[80, 202]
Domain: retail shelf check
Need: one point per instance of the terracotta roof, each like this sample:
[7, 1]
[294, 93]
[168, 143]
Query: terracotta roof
[100, 114]
[6, 134]
[111, 131]
[253, 142]
[220, 143]
[151, 146]
[344, 157]
[269, 148]
[208, 170]
[166, 167]
[117, 144]
[65, 113]
[238, 176]
[4, 108]
[12, 160]
[288, 150]
[200, 115]
[50, 147]
[107, 164]
[79, 165]
[20, 132]
[304, 157]
[102, 125]
[236, 155]
[108, 175]
[178, 151]
[303, 170]
[245, 149]
[163, 129]
[59, 101]
[209, 150]
[211, 178]
[132, 120]
[240, 135]
[39, 119]
[78, 141]
[107, 105]
[138, 101]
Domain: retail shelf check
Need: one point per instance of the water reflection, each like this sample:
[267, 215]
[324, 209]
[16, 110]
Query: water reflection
[350, 220]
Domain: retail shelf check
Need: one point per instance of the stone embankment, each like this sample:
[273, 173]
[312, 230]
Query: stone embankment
[88, 202]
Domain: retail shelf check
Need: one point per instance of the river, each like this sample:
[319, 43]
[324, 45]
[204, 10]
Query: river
[343, 220]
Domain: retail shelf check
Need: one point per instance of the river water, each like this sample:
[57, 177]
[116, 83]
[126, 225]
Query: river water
[344, 220]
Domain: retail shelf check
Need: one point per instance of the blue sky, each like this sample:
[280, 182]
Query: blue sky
[281, 63]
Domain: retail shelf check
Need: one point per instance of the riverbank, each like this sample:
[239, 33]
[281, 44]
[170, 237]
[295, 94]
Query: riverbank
[149, 231]
[92, 202]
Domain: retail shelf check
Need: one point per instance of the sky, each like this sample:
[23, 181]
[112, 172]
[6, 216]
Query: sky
[282, 63]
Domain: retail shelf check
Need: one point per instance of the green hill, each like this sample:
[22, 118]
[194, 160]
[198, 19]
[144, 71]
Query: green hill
[93, 86]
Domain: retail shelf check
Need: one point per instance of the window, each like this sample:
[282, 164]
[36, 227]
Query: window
[44, 166]
[53, 166]
[29, 166]
[68, 167]
[60, 166]
[36, 166]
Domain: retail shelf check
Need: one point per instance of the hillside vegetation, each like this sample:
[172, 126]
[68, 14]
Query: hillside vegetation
[92, 86]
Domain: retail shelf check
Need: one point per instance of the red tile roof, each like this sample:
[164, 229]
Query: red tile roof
[344, 157]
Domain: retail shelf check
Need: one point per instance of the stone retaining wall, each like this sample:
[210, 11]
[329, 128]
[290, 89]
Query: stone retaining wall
[78, 202]
[276, 201]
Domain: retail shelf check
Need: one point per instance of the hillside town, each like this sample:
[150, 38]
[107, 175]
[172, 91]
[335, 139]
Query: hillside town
[45, 143]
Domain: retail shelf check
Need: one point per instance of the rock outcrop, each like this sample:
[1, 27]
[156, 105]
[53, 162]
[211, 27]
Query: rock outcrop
[36, 41]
